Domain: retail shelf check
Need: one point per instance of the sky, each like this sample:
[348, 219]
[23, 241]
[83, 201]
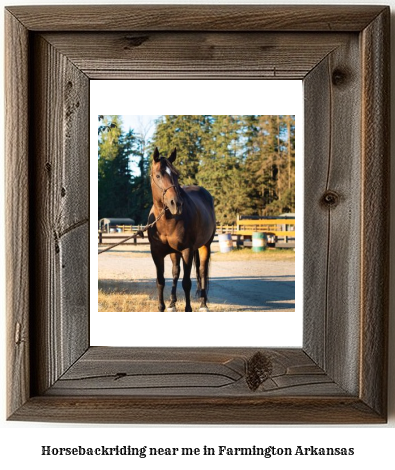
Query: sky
[140, 124]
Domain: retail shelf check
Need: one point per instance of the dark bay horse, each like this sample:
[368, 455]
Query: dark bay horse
[184, 229]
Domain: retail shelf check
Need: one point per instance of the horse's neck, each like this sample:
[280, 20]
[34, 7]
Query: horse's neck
[158, 204]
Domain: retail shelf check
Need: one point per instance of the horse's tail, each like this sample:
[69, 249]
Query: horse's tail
[196, 259]
[208, 276]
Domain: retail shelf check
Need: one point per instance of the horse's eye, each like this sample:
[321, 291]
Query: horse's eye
[158, 176]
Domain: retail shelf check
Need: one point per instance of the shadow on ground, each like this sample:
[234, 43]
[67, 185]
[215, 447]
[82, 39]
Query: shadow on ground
[255, 293]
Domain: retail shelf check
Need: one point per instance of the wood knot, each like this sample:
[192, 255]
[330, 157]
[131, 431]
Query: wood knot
[133, 42]
[259, 369]
[120, 375]
[56, 238]
[330, 199]
[340, 77]
[18, 333]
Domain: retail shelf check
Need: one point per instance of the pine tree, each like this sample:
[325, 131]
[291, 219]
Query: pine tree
[141, 192]
[271, 160]
[114, 175]
[222, 170]
[186, 133]
[246, 162]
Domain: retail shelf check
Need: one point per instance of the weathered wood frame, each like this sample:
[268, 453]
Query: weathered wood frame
[340, 374]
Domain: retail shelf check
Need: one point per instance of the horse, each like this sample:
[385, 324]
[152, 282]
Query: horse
[181, 224]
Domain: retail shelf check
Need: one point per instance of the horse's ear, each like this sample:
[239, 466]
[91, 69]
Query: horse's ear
[173, 156]
[156, 154]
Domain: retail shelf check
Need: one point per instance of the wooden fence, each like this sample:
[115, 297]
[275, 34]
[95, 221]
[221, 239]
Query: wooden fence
[283, 229]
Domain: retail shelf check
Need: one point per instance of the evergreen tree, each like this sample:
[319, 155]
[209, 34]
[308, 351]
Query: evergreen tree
[141, 191]
[186, 133]
[246, 162]
[222, 169]
[271, 161]
[114, 178]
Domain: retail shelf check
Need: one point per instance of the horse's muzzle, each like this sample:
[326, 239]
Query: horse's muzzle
[175, 206]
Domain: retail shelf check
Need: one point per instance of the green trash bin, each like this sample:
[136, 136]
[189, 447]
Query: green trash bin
[259, 241]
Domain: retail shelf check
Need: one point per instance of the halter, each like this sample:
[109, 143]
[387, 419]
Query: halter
[164, 190]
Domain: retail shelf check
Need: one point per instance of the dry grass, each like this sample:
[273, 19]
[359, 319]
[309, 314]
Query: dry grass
[242, 254]
[245, 254]
[118, 296]
[127, 302]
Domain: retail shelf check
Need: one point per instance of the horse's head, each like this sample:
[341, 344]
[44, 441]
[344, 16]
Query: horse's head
[165, 187]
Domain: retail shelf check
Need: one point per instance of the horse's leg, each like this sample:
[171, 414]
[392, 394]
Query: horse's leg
[175, 257]
[160, 280]
[187, 258]
[204, 255]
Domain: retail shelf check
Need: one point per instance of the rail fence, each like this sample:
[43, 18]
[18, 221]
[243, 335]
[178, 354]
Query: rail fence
[278, 230]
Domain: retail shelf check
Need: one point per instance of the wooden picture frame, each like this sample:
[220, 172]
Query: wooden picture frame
[340, 373]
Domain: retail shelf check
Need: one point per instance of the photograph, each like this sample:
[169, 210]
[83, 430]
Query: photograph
[196, 213]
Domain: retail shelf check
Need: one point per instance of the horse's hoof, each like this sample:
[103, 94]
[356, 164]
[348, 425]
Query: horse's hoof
[171, 309]
[204, 309]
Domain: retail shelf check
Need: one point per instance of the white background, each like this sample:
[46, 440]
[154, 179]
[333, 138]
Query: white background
[20, 443]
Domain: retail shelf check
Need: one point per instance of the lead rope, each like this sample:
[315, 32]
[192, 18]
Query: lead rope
[140, 233]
